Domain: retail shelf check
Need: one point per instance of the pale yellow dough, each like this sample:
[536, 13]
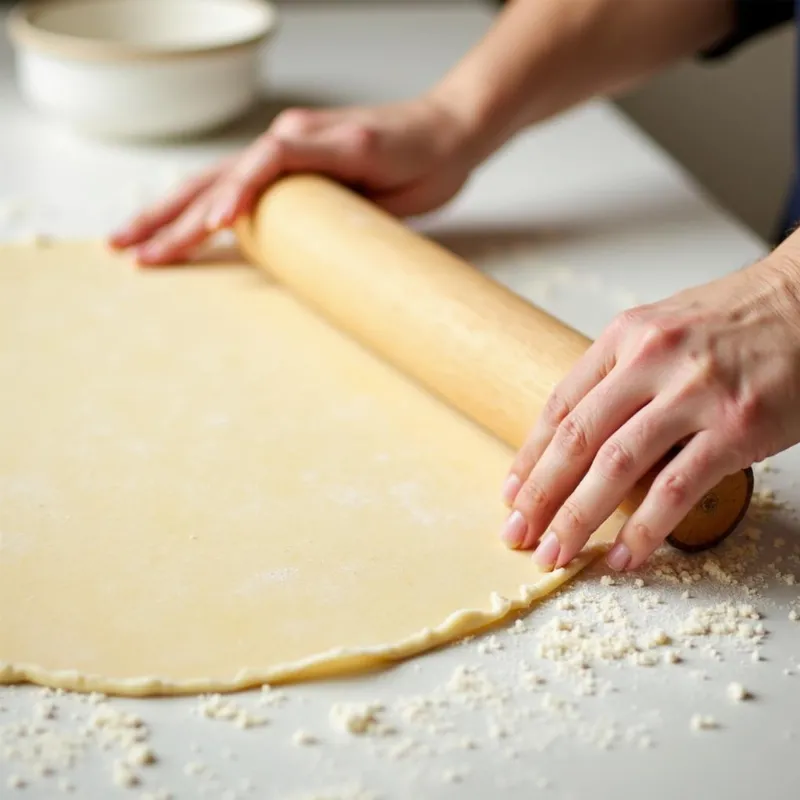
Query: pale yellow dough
[204, 487]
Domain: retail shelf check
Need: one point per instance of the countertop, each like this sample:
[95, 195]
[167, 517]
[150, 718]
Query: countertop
[585, 216]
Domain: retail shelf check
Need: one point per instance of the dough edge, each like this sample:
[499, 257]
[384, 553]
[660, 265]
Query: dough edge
[331, 663]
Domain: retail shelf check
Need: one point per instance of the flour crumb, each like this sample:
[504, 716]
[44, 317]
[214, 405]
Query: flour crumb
[244, 720]
[658, 638]
[302, 738]
[194, 768]
[123, 775]
[141, 755]
[490, 645]
[65, 785]
[108, 717]
[452, 776]
[15, 782]
[644, 659]
[794, 615]
[46, 710]
[737, 692]
[359, 719]
[700, 722]
[271, 696]
[518, 627]
[215, 707]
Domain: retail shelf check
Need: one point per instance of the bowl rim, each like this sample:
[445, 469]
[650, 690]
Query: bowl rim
[24, 32]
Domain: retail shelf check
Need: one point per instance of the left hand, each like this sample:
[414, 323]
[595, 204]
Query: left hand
[716, 367]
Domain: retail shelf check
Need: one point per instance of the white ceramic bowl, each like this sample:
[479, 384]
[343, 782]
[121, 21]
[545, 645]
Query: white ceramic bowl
[137, 69]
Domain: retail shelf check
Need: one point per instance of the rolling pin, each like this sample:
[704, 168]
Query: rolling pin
[477, 345]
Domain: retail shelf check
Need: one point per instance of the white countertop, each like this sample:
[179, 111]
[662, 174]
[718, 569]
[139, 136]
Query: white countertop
[585, 216]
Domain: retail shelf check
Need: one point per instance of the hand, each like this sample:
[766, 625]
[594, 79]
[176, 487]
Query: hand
[715, 368]
[409, 158]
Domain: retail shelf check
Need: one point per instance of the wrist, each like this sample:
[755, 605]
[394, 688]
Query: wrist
[781, 269]
[463, 115]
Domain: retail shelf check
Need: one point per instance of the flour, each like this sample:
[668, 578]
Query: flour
[597, 637]
[268, 577]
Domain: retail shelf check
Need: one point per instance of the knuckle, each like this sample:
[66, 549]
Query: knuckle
[362, 138]
[644, 533]
[531, 497]
[555, 410]
[706, 376]
[571, 519]
[748, 413]
[655, 339]
[740, 452]
[614, 460]
[673, 488]
[626, 321]
[571, 436]
[293, 122]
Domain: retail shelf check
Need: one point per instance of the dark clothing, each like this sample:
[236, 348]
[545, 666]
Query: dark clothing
[754, 17]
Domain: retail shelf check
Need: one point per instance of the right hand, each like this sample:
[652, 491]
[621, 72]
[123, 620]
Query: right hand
[408, 158]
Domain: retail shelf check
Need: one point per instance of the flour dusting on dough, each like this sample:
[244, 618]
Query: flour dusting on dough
[267, 578]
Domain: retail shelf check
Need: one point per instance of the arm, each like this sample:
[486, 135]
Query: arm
[543, 56]
[539, 58]
[713, 370]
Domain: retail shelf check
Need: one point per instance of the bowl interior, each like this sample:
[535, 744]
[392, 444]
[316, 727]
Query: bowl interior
[155, 24]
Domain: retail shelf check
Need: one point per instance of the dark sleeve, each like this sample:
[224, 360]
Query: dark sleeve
[752, 17]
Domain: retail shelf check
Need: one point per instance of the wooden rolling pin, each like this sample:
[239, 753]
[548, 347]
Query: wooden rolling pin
[486, 351]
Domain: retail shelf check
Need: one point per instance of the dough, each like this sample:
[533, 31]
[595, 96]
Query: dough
[204, 487]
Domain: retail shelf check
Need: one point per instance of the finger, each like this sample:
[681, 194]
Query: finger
[591, 369]
[176, 240]
[621, 461]
[340, 151]
[570, 452]
[144, 226]
[256, 168]
[680, 485]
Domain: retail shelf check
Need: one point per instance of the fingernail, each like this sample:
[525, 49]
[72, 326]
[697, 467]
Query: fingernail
[548, 551]
[618, 557]
[510, 489]
[514, 530]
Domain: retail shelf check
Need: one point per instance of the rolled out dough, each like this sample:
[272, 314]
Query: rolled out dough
[204, 487]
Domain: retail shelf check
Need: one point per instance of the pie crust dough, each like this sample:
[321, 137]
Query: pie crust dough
[205, 487]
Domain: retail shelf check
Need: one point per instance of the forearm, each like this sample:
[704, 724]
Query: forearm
[543, 56]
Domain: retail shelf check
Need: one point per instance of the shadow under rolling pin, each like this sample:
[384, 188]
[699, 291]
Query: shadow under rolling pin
[476, 344]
